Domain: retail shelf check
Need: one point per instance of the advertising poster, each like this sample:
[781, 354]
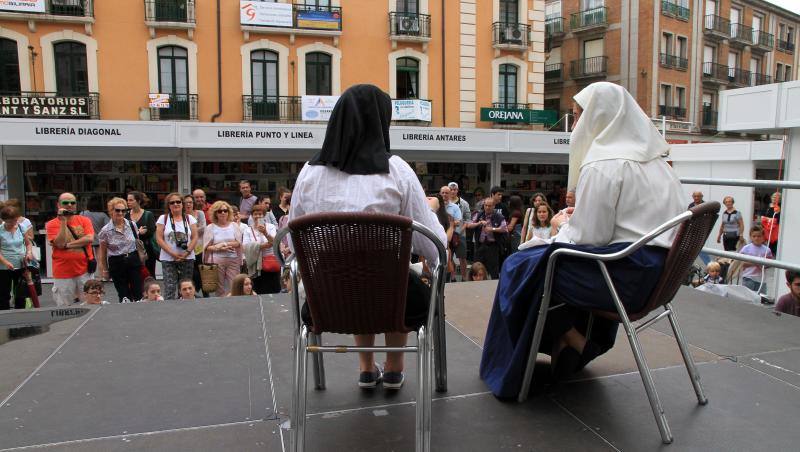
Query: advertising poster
[318, 108]
[29, 6]
[265, 14]
[411, 110]
[323, 20]
[159, 100]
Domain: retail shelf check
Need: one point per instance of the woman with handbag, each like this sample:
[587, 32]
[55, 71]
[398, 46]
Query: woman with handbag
[200, 216]
[731, 228]
[222, 245]
[146, 222]
[176, 234]
[118, 256]
[15, 251]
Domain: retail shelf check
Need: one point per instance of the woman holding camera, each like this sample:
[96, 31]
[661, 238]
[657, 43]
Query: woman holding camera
[222, 245]
[177, 236]
[118, 257]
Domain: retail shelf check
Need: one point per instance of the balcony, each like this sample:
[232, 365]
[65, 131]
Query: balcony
[553, 73]
[271, 108]
[741, 35]
[674, 10]
[785, 46]
[715, 73]
[511, 36]
[554, 27]
[50, 105]
[674, 61]
[181, 107]
[759, 79]
[588, 67]
[409, 27]
[738, 77]
[708, 119]
[65, 11]
[169, 14]
[291, 19]
[762, 41]
[672, 112]
[717, 27]
[589, 20]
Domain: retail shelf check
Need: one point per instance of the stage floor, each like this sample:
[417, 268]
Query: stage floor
[216, 375]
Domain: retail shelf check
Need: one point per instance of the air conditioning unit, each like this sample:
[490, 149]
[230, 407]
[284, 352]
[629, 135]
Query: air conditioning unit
[408, 25]
[512, 35]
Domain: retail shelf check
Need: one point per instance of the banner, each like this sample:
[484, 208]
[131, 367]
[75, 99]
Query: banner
[519, 115]
[324, 20]
[159, 100]
[318, 108]
[40, 106]
[411, 110]
[34, 6]
[265, 13]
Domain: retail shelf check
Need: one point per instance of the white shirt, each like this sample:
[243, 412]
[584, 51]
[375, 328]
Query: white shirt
[326, 189]
[226, 234]
[253, 235]
[622, 200]
[169, 236]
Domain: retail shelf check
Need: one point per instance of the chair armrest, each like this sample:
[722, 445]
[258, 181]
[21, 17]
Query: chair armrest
[276, 247]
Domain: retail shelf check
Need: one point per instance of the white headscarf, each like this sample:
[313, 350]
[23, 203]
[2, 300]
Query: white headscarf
[612, 126]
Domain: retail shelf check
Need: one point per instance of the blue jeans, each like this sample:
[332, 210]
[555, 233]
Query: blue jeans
[753, 285]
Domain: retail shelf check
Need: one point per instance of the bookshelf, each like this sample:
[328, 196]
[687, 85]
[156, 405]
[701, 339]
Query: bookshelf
[528, 179]
[220, 180]
[469, 176]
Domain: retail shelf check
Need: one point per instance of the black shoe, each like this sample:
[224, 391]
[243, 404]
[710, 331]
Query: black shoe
[590, 351]
[369, 380]
[393, 380]
[567, 363]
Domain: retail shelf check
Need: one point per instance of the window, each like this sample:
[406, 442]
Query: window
[173, 73]
[319, 4]
[318, 74]
[407, 78]
[507, 88]
[552, 9]
[665, 97]
[509, 11]
[408, 6]
[682, 47]
[680, 94]
[591, 4]
[666, 43]
[787, 73]
[779, 73]
[9, 67]
[708, 54]
[72, 77]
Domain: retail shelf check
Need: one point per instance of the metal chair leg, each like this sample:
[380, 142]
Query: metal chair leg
[420, 406]
[694, 375]
[318, 363]
[299, 428]
[439, 342]
[429, 376]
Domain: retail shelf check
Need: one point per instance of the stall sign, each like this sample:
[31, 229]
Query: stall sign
[41, 106]
[28, 6]
[321, 20]
[318, 108]
[265, 13]
[411, 110]
[159, 100]
[519, 115]
[673, 126]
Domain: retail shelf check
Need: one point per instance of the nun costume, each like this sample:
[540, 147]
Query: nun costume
[624, 190]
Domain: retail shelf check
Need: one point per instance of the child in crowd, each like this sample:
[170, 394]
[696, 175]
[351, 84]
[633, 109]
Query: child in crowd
[713, 270]
[93, 292]
[152, 291]
[790, 303]
[242, 285]
[752, 273]
[541, 223]
[478, 272]
[186, 289]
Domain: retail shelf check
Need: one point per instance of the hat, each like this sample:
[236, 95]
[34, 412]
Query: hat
[453, 185]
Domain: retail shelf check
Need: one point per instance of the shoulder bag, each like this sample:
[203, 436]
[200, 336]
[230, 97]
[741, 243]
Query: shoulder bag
[209, 276]
[140, 249]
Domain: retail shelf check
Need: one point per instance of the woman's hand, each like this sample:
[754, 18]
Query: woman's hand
[8, 265]
[262, 229]
[29, 256]
[561, 217]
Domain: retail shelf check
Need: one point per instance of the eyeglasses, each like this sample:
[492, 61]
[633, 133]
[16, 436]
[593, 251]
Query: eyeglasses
[222, 211]
[68, 203]
[121, 210]
[173, 203]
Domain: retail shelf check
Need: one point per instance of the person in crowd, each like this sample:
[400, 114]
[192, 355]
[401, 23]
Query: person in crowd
[176, 234]
[478, 195]
[697, 199]
[242, 285]
[187, 290]
[541, 222]
[146, 221]
[460, 250]
[752, 274]
[200, 216]
[530, 216]
[538, 198]
[247, 201]
[201, 204]
[497, 195]
[71, 237]
[438, 207]
[731, 227]
[713, 273]
[269, 217]
[94, 211]
[624, 190]
[353, 172]
[493, 228]
[263, 233]
[514, 222]
[569, 199]
[284, 197]
[26, 224]
[152, 290]
[790, 302]
[771, 222]
[93, 292]
[222, 245]
[478, 272]
[118, 257]
[454, 239]
[15, 252]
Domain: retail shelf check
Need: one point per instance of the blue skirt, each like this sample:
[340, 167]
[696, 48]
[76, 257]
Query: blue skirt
[578, 283]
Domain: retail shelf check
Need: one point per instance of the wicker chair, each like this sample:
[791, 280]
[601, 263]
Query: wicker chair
[695, 227]
[354, 269]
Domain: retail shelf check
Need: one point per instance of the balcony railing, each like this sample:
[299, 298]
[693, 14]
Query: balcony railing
[759, 79]
[715, 72]
[271, 108]
[672, 9]
[169, 11]
[554, 72]
[589, 67]
[785, 46]
[50, 105]
[181, 107]
[509, 34]
[708, 119]
[672, 112]
[738, 76]
[409, 25]
[763, 40]
[717, 26]
[741, 34]
[554, 27]
[589, 19]
[674, 61]
[61, 8]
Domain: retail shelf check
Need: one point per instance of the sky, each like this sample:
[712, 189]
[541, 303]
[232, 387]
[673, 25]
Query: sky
[791, 5]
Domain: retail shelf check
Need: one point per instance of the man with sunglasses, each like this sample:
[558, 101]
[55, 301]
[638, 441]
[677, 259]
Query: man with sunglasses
[71, 236]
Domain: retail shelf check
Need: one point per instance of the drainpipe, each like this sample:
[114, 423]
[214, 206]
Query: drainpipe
[219, 68]
[444, 70]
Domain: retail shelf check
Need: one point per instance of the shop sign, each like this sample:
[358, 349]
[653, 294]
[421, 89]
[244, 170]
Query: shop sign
[30, 6]
[17, 131]
[251, 136]
[322, 20]
[673, 126]
[428, 138]
[159, 100]
[411, 110]
[40, 106]
[318, 108]
[518, 115]
[539, 142]
[265, 13]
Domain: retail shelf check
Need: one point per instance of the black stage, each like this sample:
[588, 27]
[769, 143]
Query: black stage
[202, 376]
